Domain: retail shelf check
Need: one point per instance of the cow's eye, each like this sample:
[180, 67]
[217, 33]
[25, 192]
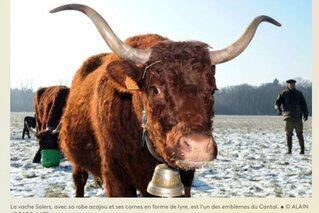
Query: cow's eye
[154, 90]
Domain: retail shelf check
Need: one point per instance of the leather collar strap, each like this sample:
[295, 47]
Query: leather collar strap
[145, 137]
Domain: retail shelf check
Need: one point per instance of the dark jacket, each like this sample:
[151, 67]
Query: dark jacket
[292, 104]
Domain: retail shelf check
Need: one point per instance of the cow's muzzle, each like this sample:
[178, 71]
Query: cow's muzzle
[195, 150]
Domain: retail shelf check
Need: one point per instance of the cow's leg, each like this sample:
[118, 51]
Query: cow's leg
[28, 133]
[116, 184]
[23, 132]
[187, 180]
[143, 189]
[37, 157]
[80, 177]
[119, 188]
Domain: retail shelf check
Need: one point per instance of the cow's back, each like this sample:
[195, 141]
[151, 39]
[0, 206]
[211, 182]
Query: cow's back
[49, 103]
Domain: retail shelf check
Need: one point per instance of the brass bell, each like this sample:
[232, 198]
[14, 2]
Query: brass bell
[165, 182]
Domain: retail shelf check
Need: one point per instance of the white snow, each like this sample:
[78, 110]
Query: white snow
[251, 162]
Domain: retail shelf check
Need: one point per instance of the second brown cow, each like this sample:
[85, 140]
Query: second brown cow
[150, 102]
[49, 103]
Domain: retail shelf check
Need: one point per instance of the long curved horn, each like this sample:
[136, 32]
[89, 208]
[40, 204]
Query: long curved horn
[57, 129]
[232, 51]
[118, 47]
[30, 128]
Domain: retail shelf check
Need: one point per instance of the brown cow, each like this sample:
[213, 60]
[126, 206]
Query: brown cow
[48, 103]
[152, 89]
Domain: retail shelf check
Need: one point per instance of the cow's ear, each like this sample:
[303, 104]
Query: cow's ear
[124, 76]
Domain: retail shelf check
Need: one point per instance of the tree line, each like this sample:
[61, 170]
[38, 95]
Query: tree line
[256, 100]
[241, 99]
[21, 100]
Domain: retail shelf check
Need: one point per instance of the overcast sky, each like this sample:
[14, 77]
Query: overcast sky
[47, 49]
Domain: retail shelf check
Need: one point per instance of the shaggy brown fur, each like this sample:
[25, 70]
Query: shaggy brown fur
[101, 126]
[48, 103]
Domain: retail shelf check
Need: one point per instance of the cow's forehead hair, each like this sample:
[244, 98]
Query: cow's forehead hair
[185, 50]
[197, 75]
[185, 62]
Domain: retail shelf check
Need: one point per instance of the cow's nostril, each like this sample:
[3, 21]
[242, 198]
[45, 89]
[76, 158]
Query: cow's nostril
[185, 145]
[209, 145]
[212, 148]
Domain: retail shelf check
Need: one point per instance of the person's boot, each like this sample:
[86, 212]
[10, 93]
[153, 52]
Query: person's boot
[301, 143]
[289, 143]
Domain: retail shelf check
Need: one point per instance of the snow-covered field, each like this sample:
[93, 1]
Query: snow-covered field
[251, 162]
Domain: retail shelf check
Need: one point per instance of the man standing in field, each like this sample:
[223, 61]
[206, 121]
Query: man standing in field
[292, 105]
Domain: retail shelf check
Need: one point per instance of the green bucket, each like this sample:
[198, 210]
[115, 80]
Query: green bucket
[50, 157]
